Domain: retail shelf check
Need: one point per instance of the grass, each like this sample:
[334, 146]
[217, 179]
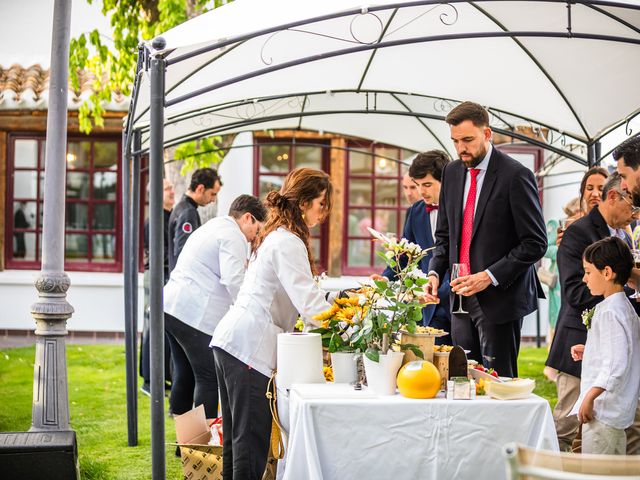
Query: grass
[98, 411]
[98, 407]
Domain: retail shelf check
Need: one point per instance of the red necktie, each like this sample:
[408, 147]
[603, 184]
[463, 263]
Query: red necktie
[431, 207]
[467, 220]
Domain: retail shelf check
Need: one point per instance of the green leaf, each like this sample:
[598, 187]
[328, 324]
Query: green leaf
[372, 354]
[414, 348]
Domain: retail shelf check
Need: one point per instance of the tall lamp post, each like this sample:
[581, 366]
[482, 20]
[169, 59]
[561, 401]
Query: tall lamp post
[50, 448]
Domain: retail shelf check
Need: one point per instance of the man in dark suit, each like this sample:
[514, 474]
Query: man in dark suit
[610, 217]
[419, 227]
[489, 220]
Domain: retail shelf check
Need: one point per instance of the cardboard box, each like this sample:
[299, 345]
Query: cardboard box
[200, 461]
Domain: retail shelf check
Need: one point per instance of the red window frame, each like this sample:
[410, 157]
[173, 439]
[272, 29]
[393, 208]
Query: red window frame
[290, 144]
[90, 231]
[399, 208]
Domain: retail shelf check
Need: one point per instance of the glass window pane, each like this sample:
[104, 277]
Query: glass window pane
[105, 155]
[359, 253]
[360, 162]
[315, 231]
[274, 158]
[104, 216]
[104, 185]
[360, 192]
[24, 215]
[78, 155]
[76, 247]
[103, 248]
[384, 161]
[26, 153]
[387, 192]
[24, 246]
[268, 183]
[77, 185]
[359, 220]
[43, 151]
[315, 245]
[25, 184]
[77, 216]
[310, 157]
[385, 221]
[377, 261]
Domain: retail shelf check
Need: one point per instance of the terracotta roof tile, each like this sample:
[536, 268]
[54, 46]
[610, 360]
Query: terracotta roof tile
[28, 88]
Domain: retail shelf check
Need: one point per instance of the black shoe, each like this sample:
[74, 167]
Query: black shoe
[145, 389]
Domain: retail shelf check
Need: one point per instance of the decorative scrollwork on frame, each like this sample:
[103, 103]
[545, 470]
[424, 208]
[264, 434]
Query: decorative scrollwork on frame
[250, 110]
[443, 106]
[359, 19]
[450, 18]
[204, 121]
[627, 128]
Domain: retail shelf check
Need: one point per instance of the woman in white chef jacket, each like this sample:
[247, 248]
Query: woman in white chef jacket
[277, 287]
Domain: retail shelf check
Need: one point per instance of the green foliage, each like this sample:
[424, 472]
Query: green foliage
[113, 60]
[199, 154]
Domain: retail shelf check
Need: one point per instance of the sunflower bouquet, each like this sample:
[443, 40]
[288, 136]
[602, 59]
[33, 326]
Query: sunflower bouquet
[336, 323]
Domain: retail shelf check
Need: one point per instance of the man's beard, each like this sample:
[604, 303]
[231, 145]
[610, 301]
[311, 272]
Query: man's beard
[635, 196]
[474, 162]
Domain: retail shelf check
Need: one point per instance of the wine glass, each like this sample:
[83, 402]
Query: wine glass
[636, 264]
[459, 270]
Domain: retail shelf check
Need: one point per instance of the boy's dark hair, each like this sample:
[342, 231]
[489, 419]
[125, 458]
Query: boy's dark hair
[468, 111]
[431, 162]
[248, 204]
[611, 252]
[204, 176]
[630, 151]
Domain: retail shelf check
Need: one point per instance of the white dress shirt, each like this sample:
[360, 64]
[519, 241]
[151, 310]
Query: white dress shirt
[482, 166]
[277, 287]
[433, 220]
[208, 275]
[611, 361]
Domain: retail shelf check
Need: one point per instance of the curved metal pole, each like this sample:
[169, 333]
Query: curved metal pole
[156, 316]
[129, 331]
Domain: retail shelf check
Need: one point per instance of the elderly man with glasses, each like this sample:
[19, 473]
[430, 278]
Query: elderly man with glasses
[610, 218]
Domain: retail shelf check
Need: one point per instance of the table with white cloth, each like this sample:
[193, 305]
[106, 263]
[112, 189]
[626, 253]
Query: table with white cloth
[338, 433]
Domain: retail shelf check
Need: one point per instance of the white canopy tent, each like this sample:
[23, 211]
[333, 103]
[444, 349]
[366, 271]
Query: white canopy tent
[388, 71]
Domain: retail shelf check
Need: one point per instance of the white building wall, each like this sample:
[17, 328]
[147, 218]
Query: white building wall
[98, 300]
[236, 171]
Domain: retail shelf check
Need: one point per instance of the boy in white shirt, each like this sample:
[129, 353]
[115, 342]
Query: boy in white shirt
[610, 382]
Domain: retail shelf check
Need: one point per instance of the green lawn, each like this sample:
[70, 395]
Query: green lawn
[98, 407]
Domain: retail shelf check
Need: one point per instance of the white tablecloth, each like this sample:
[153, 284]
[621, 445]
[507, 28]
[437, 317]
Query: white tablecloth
[338, 433]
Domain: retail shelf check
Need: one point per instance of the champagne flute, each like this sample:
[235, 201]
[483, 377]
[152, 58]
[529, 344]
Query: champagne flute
[459, 270]
[636, 264]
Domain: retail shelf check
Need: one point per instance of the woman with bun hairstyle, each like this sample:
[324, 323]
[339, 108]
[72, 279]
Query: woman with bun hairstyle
[277, 287]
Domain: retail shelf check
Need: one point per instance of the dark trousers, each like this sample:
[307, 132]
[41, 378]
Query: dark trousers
[145, 356]
[443, 323]
[493, 345]
[194, 373]
[246, 418]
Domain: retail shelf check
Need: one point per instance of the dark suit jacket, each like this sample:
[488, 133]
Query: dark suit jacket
[575, 294]
[417, 229]
[509, 235]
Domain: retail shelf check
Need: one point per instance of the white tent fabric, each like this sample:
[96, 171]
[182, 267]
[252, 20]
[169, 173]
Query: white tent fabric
[390, 71]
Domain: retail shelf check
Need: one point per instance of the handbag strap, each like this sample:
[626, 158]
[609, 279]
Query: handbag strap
[277, 432]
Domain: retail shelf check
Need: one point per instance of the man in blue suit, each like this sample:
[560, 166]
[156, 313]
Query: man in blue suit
[420, 227]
